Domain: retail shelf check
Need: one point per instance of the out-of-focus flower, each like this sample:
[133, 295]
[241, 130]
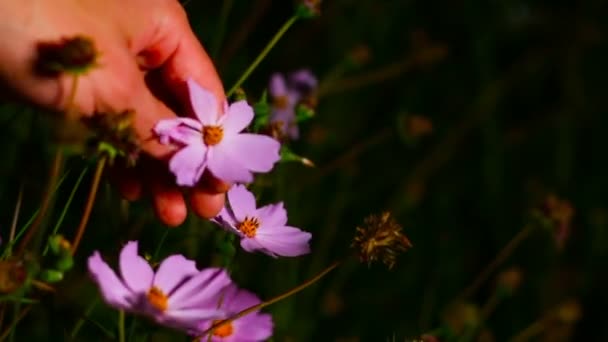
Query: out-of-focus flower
[418, 126]
[380, 238]
[557, 214]
[262, 229]
[461, 315]
[253, 327]
[309, 9]
[74, 55]
[287, 93]
[509, 280]
[215, 141]
[175, 295]
[12, 275]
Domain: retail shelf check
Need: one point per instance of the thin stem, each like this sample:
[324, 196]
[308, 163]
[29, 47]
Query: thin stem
[66, 206]
[221, 28]
[18, 318]
[121, 326]
[272, 300]
[46, 201]
[498, 260]
[90, 200]
[263, 54]
[160, 244]
[81, 320]
[70, 107]
[16, 215]
[529, 332]
[30, 220]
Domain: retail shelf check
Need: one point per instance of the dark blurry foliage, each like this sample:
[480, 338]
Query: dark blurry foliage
[511, 105]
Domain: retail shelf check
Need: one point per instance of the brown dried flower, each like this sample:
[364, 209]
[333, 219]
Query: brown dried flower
[74, 55]
[114, 134]
[380, 238]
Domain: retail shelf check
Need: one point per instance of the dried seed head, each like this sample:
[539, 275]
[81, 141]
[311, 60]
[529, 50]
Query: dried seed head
[74, 55]
[114, 134]
[557, 213]
[12, 275]
[380, 238]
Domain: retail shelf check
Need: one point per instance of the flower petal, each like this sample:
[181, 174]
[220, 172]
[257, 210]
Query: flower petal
[272, 215]
[203, 286]
[172, 271]
[255, 152]
[182, 130]
[251, 245]
[253, 327]
[284, 241]
[135, 270]
[277, 86]
[204, 103]
[303, 79]
[242, 202]
[188, 164]
[238, 117]
[113, 290]
[226, 167]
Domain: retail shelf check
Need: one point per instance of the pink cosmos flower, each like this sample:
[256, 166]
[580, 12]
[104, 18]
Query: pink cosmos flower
[215, 141]
[252, 327]
[173, 296]
[286, 94]
[262, 229]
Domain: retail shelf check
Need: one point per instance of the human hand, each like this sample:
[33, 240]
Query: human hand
[147, 51]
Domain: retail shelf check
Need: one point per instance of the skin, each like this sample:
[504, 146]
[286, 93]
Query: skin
[147, 51]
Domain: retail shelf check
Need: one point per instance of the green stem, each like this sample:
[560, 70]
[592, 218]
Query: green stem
[66, 206]
[263, 54]
[90, 200]
[7, 251]
[160, 244]
[46, 201]
[121, 326]
[81, 320]
[498, 260]
[221, 28]
[271, 301]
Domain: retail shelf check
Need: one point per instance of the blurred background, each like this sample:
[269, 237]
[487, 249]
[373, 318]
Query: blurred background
[472, 122]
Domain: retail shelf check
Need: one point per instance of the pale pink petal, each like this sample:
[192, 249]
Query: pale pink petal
[225, 218]
[182, 130]
[203, 103]
[191, 316]
[188, 164]
[254, 327]
[135, 270]
[238, 117]
[113, 290]
[235, 299]
[227, 168]
[277, 86]
[207, 284]
[284, 241]
[173, 271]
[252, 245]
[256, 152]
[242, 202]
[272, 215]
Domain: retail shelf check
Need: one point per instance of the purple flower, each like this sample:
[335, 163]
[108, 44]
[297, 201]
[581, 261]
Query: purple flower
[262, 229]
[174, 295]
[214, 141]
[286, 94]
[253, 327]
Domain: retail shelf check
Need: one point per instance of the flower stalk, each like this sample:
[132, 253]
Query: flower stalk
[263, 54]
[89, 204]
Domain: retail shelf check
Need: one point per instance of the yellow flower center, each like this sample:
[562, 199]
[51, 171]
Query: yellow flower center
[158, 299]
[212, 135]
[281, 102]
[249, 226]
[223, 330]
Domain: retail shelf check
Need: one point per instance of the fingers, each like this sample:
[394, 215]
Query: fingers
[167, 199]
